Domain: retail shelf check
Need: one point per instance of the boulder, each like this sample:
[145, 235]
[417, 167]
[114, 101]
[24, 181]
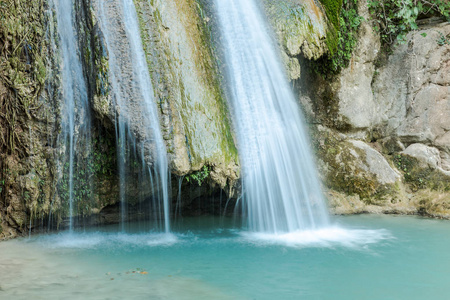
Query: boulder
[353, 167]
[427, 156]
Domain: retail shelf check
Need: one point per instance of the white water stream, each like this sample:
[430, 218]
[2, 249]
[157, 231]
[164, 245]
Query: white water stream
[75, 111]
[132, 91]
[281, 189]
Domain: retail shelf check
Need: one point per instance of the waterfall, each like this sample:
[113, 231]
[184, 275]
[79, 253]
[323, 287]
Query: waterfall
[75, 137]
[281, 189]
[137, 123]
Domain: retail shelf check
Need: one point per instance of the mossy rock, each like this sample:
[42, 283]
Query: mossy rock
[332, 10]
[354, 168]
[432, 203]
[420, 177]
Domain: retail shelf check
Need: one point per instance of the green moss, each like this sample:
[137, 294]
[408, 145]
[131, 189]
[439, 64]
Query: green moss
[211, 66]
[344, 171]
[167, 68]
[89, 170]
[332, 10]
[25, 55]
[342, 36]
[418, 177]
[22, 64]
[94, 51]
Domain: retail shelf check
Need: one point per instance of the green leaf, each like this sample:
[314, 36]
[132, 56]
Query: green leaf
[423, 34]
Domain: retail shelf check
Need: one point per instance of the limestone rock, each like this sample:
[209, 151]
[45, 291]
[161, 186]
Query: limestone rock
[292, 66]
[357, 107]
[301, 28]
[195, 120]
[405, 107]
[354, 167]
[376, 164]
[413, 89]
[343, 204]
[427, 156]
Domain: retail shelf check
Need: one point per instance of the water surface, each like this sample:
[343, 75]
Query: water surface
[375, 257]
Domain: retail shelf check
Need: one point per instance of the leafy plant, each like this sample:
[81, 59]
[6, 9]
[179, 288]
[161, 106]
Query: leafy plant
[393, 19]
[348, 22]
[443, 40]
[199, 176]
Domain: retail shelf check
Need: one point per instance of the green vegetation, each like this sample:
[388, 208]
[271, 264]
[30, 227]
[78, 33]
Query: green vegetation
[22, 65]
[443, 40]
[211, 64]
[350, 21]
[24, 57]
[88, 170]
[333, 10]
[418, 177]
[393, 19]
[199, 176]
[341, 42]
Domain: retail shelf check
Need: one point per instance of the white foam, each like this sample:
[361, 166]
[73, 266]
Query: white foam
[106, 240]
[326, 237]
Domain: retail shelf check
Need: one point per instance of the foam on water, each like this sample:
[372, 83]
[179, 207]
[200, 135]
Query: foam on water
[94, 240]
[321, 238]
[325, 238]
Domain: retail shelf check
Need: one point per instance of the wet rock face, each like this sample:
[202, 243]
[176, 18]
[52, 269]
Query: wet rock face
[29, 100]
[301, 28]
[382, 133]
[194, 116]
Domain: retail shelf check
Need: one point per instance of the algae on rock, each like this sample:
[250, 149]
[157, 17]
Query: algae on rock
[194, 117]
[301, 28]
[28, 105]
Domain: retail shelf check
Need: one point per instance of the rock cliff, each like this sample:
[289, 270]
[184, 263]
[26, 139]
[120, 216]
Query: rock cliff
[380, 128]
[381, 125]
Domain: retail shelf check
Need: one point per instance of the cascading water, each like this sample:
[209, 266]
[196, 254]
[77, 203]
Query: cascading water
[136, 114]
[281, 189]
[75, 111]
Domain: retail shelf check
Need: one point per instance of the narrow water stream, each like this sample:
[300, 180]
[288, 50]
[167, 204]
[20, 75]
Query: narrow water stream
[136, 110]
[75, 137]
